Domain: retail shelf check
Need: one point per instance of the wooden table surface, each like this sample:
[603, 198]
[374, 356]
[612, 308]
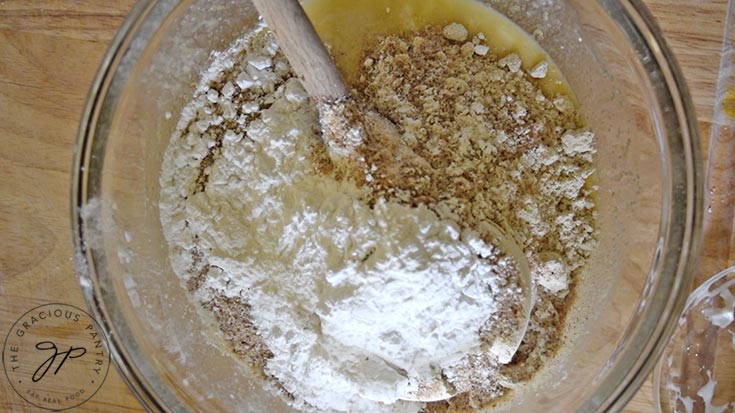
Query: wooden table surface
[49, 53]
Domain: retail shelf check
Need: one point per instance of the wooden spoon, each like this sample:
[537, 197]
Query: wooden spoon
[341, 124]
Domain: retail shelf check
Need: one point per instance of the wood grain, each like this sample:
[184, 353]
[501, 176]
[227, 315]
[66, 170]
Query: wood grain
[49, 53]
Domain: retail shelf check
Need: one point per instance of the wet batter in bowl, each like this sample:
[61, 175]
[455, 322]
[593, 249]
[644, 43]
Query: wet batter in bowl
[347, 293]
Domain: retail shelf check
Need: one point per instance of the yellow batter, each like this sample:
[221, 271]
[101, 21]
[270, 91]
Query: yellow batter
[348, 26]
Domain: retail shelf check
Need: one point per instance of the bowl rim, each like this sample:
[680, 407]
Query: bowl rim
[637, 21]
[96, 99]
[647, 341]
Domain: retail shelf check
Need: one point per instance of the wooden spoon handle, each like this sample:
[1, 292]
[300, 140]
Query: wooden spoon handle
[304, 48]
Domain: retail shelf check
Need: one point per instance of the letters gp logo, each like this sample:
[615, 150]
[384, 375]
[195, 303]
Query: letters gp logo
[55, 357]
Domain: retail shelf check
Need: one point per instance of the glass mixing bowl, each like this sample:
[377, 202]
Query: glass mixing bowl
[632, 94]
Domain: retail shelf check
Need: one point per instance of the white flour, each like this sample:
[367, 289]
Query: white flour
[356, 303]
